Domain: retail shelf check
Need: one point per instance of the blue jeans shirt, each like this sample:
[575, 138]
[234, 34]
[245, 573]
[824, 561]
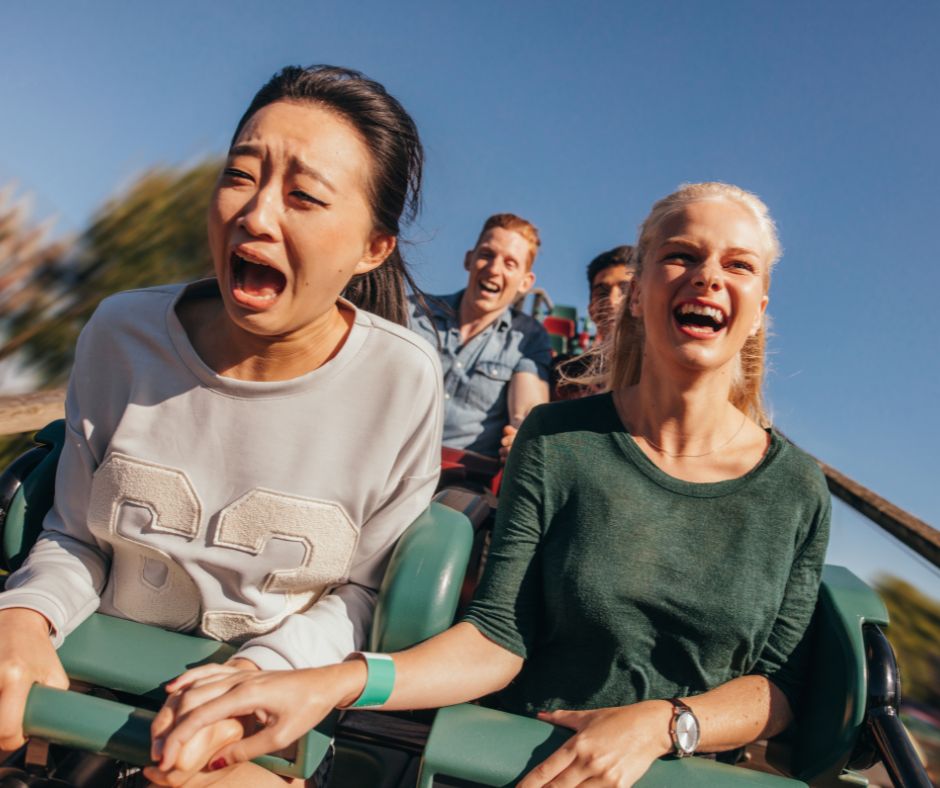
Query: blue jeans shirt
[477, 374]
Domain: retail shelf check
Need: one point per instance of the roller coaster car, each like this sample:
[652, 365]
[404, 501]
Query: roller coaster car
[851, 719]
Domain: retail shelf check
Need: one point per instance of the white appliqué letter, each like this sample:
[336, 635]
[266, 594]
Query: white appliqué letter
[133, 502]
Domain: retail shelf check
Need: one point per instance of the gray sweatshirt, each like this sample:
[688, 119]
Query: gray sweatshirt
[259, 513]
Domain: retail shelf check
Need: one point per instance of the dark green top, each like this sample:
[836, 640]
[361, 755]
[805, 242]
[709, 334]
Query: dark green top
[618, 583]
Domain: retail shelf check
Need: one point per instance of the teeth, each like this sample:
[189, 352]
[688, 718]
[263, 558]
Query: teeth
[699, 309]
[489, 288]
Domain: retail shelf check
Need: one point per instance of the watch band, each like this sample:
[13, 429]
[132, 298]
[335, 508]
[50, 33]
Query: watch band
[380, 680]
[681, 705]
[678, 709]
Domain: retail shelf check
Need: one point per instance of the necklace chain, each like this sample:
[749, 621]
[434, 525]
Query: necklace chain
[704, 454]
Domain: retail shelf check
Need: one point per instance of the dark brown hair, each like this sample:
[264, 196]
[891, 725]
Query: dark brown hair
[398, 158]
[619, 255]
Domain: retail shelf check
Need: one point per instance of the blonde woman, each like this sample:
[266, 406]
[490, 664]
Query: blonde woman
[658, 548]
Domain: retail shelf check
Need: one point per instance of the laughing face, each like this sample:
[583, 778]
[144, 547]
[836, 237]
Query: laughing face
[290, 221]
[499, 271]
[703, 287]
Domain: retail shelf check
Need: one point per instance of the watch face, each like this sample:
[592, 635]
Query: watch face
[687, 732]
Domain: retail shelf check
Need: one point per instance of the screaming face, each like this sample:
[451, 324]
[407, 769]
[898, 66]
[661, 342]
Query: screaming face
[290, 221]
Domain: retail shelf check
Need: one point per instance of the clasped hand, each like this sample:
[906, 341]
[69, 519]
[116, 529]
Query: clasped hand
[220, 715]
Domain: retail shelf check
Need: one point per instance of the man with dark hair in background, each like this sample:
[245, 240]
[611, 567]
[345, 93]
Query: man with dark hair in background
[609, 275]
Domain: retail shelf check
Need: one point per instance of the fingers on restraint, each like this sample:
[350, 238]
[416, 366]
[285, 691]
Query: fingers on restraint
[270, 739]
[550, 768]
[211, 704]
[12, 709]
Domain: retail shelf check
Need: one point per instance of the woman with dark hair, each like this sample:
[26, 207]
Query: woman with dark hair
[243, 452]
[657, 551]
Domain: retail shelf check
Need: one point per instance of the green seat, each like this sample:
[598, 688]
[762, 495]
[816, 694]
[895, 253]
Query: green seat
[559, 344]
[567, 312]
[417, 599]
[494, 748]
[838, 676]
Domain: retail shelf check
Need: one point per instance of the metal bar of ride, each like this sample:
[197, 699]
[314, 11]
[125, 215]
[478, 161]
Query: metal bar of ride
[29, 412]
[922, 538]
[884, 726]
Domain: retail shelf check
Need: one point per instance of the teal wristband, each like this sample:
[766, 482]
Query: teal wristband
[380, 680]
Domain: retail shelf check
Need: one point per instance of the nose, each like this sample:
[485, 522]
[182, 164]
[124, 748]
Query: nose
[616, 295]
[258, 215]
[493, 264]
[708, 276]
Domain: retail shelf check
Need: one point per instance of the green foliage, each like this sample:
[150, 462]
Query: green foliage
[914, 633]
[12, 446]
[154, 233]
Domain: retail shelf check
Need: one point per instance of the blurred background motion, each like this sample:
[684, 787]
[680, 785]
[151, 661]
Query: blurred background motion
[115, 117]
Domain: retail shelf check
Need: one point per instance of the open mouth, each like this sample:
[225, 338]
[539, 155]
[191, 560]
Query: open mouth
[487, 287]
[254, 283]
[699, 319]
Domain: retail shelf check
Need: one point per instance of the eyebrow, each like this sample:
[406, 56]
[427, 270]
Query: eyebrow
[256, 151]
[679, 242]
[506, 256]
[738, 250]
[735, 250]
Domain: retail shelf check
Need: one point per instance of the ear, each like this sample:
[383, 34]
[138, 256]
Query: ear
[759, 319]
[468, 259]
[633, 298]
[380, 246]
[527, 282]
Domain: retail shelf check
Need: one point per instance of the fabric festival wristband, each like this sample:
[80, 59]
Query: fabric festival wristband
[380, 680]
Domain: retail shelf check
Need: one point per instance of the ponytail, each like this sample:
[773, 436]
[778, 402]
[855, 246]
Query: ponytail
[384, 290]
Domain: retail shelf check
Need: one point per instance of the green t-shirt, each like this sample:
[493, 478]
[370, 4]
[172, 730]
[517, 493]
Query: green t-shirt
[618, 583]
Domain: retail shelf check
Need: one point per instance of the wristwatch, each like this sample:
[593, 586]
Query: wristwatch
[683, 729]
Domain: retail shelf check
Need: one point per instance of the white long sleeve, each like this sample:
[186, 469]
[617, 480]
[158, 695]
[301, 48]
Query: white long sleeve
[257, 513]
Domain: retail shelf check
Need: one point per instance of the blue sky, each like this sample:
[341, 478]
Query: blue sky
[577, 116]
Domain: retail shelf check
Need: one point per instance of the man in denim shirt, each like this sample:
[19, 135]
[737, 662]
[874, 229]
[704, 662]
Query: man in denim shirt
[495, 359]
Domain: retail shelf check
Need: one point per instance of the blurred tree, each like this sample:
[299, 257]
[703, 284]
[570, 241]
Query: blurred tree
[914, 633]
[26, 252]
[27, 258]
[153, 233]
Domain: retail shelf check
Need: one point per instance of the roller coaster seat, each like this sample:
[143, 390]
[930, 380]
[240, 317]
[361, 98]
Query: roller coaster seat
[417, 599]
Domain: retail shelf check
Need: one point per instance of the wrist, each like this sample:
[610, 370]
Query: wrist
[660, 727]
[25, 618]
[350, 679]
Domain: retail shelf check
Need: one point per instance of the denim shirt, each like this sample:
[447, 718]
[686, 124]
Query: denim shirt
[477, 374]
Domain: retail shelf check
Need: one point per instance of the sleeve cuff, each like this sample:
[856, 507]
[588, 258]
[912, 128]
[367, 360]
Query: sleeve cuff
[500, 638]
